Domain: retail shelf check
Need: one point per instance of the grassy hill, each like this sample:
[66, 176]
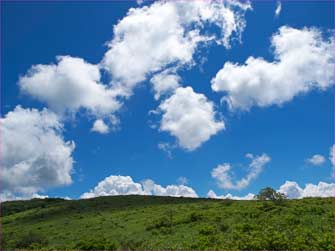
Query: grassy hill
[166, 223]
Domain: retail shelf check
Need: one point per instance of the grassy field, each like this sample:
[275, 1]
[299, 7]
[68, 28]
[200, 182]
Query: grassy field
[165, 223]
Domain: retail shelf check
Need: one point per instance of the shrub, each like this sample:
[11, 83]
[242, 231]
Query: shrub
[96, 245]
[162, 222]
[131, 244]
[195, 216]
[31, 240]
[207, 230]
[223, 227]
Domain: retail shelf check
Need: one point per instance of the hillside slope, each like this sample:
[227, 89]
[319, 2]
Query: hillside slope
[165, 223]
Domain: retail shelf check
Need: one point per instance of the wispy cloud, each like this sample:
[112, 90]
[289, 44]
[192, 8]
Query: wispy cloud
[224, 179]
[278, 9]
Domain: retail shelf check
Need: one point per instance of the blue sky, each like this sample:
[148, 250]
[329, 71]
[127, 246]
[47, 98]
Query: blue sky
[288, 131]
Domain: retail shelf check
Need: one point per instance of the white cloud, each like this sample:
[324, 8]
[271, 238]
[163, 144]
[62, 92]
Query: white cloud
[211, 194]
[222, 173]
[294, 191]
[99, 126]
[151, 188]
[70, 85]
[316, 160]
[161, 37]
[34, 154]
[278, 9]
[164, 83]
[152, 38]
[289, 188]
[115, 185]
[124, 185]
[304, 61]
[189, 117]
[10, 196]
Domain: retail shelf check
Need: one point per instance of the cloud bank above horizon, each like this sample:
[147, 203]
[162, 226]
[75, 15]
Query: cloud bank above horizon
[154, 45]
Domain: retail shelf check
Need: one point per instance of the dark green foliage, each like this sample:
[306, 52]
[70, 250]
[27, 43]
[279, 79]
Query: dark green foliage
[31, 240]
[160, 223]
[207, 230]
[8, 208]
[269, 193]
[166, 223]
[99, 244]
[195, 216]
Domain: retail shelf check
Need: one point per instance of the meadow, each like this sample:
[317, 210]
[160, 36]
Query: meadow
[137, 222]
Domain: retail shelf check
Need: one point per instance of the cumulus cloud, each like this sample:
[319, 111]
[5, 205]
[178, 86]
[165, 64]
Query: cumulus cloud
[164, 83]
[124, 185]
[304, 61]
[158, 39]
[115, 185]
[34, 154]
[291, 189]
[222, 173]
[151, 38]
[69, 85]
[151, 188]
[278, 9]
[316, 160]
[189, 117]
[294, 191]
[99, 126]
[212, 195]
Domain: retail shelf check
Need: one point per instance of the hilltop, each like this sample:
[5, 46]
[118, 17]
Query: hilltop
[168, 223]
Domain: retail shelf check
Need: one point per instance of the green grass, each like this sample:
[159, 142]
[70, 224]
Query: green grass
[166, 223]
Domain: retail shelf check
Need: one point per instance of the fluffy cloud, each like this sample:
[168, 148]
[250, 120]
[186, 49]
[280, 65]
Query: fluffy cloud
[70, 85]
[115, 185]
[167, 33]
[316, 160]
[124, 185]
[304, 61]
[189, 117]
[294, 191]
[222, 173]
[150, 39]
[34, 154]
[99, 126]
[211, 194]
[164, 83]
[289, 188]
[151, 188]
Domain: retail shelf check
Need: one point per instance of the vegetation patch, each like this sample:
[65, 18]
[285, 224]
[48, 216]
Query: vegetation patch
[166, 223]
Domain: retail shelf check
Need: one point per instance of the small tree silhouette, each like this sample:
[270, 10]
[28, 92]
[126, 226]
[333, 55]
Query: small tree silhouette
[269, 193]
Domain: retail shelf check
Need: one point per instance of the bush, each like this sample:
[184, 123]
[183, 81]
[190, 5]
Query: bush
[194, 216]
[207, 230]
[31, 241]
[223, 227]
[96, 245]
[131, 244]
